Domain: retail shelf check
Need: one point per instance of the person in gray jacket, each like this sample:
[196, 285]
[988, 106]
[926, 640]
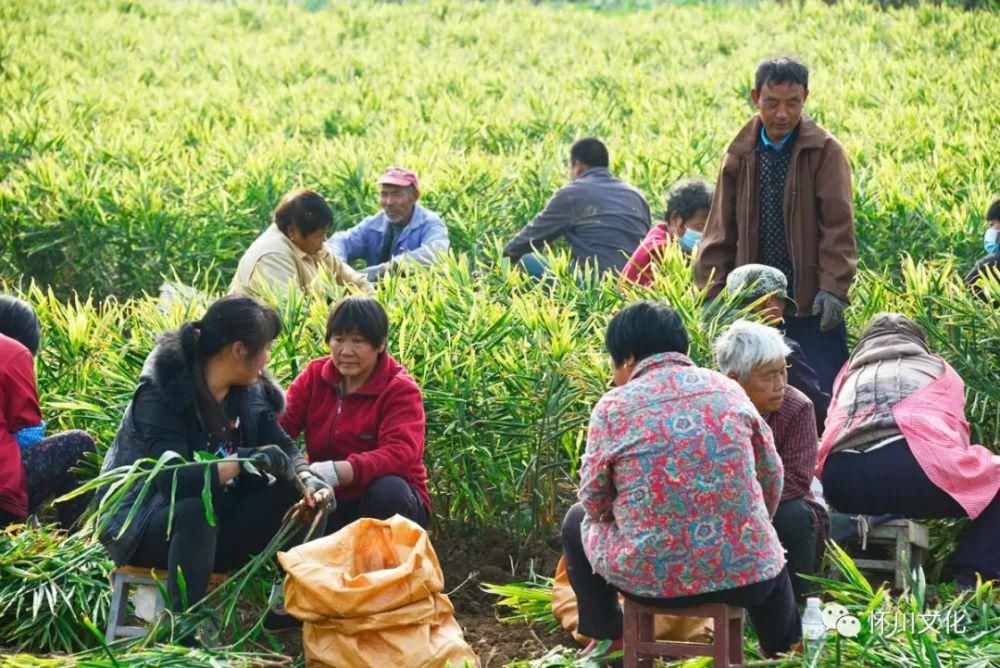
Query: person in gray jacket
[602, 218]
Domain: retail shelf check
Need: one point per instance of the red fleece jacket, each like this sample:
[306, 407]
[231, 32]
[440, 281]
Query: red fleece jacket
[379, 428]
[18, 409]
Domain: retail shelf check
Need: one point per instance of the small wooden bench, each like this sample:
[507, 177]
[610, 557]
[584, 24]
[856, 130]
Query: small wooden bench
[123, 581]
[908, 540]
[640, 644]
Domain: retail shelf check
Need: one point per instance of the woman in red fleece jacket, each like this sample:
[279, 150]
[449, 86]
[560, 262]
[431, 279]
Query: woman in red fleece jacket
[363, 418]
[33, 468]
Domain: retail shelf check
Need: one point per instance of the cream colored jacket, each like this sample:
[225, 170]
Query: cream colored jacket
[273, 261]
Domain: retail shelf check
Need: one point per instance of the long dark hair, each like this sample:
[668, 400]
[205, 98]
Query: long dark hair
[19, 322]
[228, 320]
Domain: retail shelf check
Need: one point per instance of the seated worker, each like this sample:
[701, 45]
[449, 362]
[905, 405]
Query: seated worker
[757, 281]
[677, 487]
[754, 356]
[688, 202]
[33, 467]
[897, 441]
[363, 419]
[403, 233]
[291, 251]
[203, 387]
[602, 218]
[991, 243]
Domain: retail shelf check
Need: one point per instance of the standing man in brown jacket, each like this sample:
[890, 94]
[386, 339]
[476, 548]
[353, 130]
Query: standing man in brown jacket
[783, 199]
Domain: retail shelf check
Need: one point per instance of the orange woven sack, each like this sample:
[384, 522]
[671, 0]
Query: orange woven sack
[371, 595]
[666, 627]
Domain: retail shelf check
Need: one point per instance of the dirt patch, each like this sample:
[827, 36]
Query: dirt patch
[470, 560]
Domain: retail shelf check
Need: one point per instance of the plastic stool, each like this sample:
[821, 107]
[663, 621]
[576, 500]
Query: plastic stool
[123, 580]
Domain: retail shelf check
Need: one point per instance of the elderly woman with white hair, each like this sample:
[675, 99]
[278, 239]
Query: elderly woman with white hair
[754, 355]
[677, 486]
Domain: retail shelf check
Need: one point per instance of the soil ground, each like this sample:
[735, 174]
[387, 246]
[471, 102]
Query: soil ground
[489, 556]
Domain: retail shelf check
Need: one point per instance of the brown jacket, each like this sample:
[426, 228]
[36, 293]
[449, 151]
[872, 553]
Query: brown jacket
[818, 208]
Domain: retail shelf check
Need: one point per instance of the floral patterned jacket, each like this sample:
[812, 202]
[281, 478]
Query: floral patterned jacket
[679, 481]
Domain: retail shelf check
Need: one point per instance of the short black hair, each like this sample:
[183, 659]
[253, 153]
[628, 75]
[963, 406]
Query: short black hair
[359, 315]
[689, 196]
[993, 213]
[19, 322]
[782, 69]
[304, 209]
[643, 329]
[591, 151]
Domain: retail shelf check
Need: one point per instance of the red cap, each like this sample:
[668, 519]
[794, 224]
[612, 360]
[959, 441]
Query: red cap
[398, 176]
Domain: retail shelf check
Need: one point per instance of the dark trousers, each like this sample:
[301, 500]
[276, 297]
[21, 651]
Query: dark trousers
[771, 604]
[889, 480]
[245, 521]
[826, 352]
[47, 475]
[795, 524]
[386, 496]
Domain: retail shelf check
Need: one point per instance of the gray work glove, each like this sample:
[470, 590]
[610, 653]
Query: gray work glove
[270, 459]
[314, 484]
[830, 308]
[326, 471]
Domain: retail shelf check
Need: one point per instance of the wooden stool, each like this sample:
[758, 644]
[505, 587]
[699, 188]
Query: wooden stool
[726, 647]
[123, 580]
[908, 540]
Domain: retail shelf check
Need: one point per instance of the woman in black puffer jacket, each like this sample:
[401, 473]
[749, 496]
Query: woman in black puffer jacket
[203, 388]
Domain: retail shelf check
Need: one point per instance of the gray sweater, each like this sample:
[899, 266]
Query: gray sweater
[602, 218]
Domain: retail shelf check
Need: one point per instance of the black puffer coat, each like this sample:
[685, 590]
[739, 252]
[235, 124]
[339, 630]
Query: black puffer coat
[163, 416]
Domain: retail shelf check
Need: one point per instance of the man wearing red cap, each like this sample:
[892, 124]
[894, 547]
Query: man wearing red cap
[402, 233]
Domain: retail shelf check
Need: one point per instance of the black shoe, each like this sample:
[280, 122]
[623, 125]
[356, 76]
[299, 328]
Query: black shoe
[278, 622]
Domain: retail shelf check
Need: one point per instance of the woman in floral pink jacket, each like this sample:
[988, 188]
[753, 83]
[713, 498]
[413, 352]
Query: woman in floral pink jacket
[677, 488]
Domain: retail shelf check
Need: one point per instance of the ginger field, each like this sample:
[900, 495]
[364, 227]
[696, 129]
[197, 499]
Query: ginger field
[143, 141]
[136, 137]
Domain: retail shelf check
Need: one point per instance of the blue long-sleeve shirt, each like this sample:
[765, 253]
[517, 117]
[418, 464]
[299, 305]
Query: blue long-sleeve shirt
[420, 241]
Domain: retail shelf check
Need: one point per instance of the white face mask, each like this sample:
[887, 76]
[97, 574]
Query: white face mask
[990, 241]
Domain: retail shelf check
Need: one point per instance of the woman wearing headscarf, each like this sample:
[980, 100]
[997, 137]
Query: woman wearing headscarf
[897, 441]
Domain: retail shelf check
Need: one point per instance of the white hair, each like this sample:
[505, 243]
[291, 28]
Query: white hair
[746, 345]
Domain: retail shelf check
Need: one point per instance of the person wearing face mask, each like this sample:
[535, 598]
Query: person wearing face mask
[688, 202]
[402, 234]
[990, 263]
[783, 198]
[203, 388]
[290, 251]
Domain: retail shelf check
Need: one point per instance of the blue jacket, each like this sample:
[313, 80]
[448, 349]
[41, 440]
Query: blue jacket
[423, 238]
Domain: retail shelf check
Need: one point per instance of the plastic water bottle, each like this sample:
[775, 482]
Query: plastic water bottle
[813, 628]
